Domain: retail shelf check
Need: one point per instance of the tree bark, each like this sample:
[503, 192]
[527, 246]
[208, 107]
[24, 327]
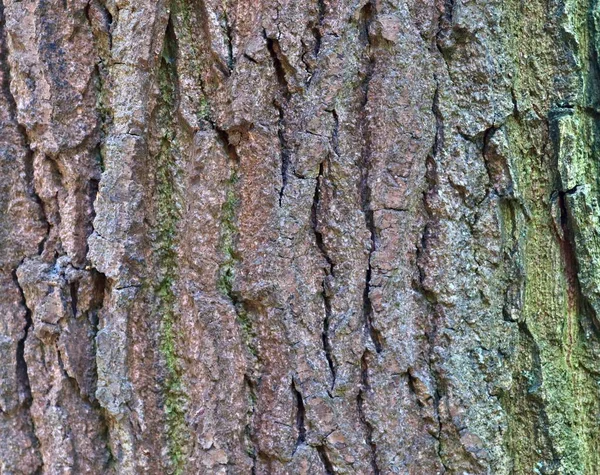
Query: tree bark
[299, 236]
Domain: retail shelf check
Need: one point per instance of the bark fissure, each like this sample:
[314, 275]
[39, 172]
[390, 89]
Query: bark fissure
[300, 416]
[578, 302]
[317, 29]
[335, 136]
[365, 189]
[279, 64]
[329, 272]
[20, 358]
[22, 369]
[280, 103]
[229, 42]
[284, 153]
[327, 465]
[360, 404]
[431, 178]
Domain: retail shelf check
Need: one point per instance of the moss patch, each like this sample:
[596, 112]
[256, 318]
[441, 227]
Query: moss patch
[168, 216]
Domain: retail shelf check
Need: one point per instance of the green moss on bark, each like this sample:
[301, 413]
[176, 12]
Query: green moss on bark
[167, 219]
[553, 402]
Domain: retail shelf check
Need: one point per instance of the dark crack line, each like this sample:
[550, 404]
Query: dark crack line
[300, 417]
[437, 398]
[317, 29]
[229, 42]
[431, 178]
[284, 153]
[252, 451]
[280, 103]
[279, 64]
[20, 358]
[360, 403]
[22, 369]
[20, 361]
[567, 243]
[325, 336]
[365, 19]
[335, 136]
[444, 29]
[329, 470]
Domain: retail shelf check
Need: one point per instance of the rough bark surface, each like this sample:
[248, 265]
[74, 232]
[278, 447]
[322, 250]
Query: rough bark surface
[299, 236]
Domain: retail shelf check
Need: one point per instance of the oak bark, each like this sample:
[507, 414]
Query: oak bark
[299, 236]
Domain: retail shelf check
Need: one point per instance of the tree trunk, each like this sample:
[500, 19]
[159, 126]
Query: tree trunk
[299, 236]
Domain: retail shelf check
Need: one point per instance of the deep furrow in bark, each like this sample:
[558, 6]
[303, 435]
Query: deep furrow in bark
[284, 152]
[226, 281]
[229, 42]
[579, 301]
[327, 465]
[300, 416]
[252, 449]
[280, 104]
[366, 18]
[430, 299]
[327, 348]
[317, 29]
[360, 400]
[22, 364]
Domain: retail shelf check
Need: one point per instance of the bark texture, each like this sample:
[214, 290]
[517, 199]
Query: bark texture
[299, 236]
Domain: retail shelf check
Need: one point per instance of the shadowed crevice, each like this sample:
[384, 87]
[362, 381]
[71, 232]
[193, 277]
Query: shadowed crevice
[360, 402]
[300, 416]
[315, 212]
[365, 19]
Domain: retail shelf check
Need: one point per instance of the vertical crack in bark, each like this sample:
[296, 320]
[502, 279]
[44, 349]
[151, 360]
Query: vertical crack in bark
[577, 301]
[166, 203]
[229, 42]
[335, 135]
[444, 28]
[327, 348]
[280, 64]
[20, 361]
[20, 358]
[430, 298]
[366, 17]
[329, 470]
[284, 153]
[300, 417]
[360, 402]
[280, 103]
[22, 372]
[437, 397]
[252, 450]
[317, 29]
